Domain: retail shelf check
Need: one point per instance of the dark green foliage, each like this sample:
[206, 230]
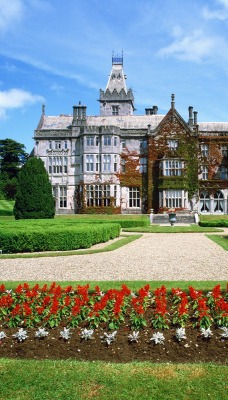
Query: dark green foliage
[34, 193]
[54, 238]
[12, 158]
[217, 223]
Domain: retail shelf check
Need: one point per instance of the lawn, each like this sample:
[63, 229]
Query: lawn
[73, 379]
[220, 240]
[172, 229]
[6, 207]
[79, 380]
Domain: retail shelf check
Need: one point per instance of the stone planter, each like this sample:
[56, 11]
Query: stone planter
[172, 218]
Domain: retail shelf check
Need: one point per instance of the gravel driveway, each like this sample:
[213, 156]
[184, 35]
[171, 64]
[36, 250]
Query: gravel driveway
[189, 256]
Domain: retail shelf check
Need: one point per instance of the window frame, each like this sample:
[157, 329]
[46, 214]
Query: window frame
[134, 200]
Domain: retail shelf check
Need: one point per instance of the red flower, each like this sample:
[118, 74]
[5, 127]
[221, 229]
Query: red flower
[2, 288]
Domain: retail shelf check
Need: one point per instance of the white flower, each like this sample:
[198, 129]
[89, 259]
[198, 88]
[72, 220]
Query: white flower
[2, 335]
[180, 334]
[134, 336]
[65, 334]
[21, 335]
[225, 332]
[158, 338]
[86, 334]
[206, 332]
[133, 295]
[109, 338]
[41, 333]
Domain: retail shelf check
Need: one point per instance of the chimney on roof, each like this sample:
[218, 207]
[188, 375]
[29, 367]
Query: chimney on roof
[79, 114]
[190, 117]
[195, 117]
[151, 110]
[173, 101]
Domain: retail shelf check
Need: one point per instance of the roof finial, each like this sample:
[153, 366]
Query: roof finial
[116, 59]
[173, 101]
[43, 109]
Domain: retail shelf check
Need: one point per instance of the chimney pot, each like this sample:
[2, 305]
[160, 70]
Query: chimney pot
[195, 117]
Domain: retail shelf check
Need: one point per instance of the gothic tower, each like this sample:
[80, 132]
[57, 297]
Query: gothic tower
[116, 99]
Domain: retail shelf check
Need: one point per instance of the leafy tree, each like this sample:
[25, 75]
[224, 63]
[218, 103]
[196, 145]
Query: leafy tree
[12, 158]
[34, 192]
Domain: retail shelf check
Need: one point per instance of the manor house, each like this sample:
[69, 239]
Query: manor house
[120, 162]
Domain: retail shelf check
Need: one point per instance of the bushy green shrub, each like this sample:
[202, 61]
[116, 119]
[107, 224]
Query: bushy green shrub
[56, 237]
[34, 192]
[215, 223]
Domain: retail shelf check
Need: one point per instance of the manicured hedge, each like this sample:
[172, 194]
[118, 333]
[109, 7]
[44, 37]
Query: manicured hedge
[131, 223]
[55, 238]
[213, 223]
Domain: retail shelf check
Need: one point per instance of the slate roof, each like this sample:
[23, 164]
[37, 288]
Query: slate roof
[124, 122]
[213, 126]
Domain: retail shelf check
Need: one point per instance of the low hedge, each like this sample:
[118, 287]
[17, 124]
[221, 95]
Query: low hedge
[132, 223]
[215, 223]
[67, 238]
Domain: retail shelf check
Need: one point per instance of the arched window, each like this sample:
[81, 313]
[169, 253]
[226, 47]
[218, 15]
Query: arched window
[204, 202]
[218, 202]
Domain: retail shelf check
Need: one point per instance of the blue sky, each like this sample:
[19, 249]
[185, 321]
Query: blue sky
[59, 53]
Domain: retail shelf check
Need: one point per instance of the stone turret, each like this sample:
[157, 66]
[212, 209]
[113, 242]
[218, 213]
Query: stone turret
[116, 99]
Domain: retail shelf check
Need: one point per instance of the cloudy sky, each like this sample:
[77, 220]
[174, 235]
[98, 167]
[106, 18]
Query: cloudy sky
[58, 53]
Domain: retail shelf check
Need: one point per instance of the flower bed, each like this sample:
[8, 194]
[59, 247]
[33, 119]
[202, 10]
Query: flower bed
[118, 325]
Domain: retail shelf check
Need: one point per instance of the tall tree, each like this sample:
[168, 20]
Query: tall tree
[12, 157]
[34, 192]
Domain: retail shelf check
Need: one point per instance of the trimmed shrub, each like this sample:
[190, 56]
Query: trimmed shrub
[215, 223]
[56, 238]
[34, 192]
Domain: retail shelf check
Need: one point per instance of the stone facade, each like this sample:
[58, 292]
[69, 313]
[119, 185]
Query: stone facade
[119, 162]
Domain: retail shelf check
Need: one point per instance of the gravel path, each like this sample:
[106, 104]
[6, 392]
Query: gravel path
[189, 256]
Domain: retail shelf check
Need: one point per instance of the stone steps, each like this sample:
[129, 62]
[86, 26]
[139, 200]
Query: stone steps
[181, 219]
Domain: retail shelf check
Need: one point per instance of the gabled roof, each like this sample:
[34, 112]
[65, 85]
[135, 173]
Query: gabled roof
[171, 114]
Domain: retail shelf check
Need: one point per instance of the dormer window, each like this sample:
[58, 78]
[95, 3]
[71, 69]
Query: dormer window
[115, 110]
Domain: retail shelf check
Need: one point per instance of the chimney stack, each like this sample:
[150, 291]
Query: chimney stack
[190, 119]
[173, 101]
[195, 117]
[79, 113]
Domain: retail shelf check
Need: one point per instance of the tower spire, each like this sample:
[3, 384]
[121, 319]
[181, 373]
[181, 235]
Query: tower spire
[116, 99]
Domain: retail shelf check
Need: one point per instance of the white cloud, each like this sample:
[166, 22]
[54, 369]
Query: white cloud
[11, 12]
[192, 47]
[220, 13]
[16, 98]
[224, 3]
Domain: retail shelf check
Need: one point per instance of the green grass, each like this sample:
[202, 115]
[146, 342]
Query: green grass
[220, 240]
[133, 285]
[6, 207]
[172, 229]
[61, 380]
[81, 380]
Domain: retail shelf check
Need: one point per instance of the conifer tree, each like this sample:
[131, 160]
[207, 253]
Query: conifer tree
[34, 192]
